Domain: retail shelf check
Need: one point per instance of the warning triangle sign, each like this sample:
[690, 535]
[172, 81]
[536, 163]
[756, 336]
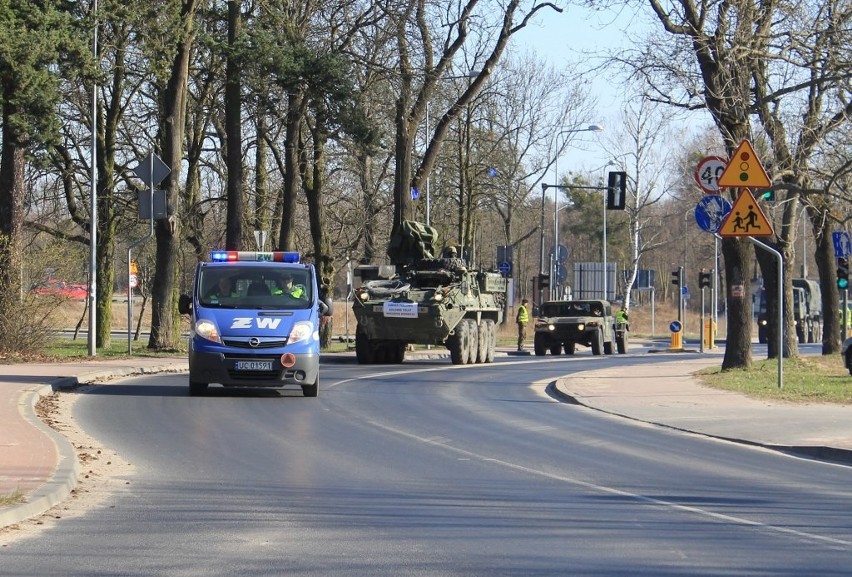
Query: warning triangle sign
[744, 169]
[745, 218]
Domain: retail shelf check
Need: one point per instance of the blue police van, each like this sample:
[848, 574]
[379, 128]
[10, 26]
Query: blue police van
[255, 322]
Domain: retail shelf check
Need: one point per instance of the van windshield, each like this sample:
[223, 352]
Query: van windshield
[252, 287]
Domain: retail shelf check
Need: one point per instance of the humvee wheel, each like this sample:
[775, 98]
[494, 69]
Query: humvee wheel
[608, 348]
[556, 348]
[570, 347]
[597, 343]
[621, 343]
[539, 345]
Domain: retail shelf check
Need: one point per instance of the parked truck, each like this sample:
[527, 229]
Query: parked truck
[807, 312]
[426, 299]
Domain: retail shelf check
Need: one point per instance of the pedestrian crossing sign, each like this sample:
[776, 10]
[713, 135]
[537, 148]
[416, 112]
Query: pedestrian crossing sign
[746, 218]
[744, 169]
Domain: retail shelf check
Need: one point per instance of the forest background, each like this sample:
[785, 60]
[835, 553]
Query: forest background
[315, 121]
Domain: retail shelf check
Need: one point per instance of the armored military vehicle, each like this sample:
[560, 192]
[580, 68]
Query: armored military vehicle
[566, 324]
[427, 300]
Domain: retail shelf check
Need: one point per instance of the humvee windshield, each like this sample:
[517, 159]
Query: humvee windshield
[571, 309]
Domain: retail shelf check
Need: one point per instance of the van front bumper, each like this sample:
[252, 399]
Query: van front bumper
[261, 369]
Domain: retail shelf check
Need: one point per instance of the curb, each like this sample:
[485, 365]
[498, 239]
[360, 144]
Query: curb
[823, 454]
[64, 479]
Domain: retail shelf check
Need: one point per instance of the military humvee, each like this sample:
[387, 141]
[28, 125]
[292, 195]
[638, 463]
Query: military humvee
[564, 324]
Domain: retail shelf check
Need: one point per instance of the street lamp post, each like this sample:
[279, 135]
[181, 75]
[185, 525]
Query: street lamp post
[554, 285]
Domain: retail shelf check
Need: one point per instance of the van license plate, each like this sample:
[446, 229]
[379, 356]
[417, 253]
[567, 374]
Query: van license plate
[254, 365]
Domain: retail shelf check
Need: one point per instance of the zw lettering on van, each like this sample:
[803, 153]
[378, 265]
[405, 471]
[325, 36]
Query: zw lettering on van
[249, 323]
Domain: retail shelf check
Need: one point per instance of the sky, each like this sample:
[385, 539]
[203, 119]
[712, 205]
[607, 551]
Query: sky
[562, 39]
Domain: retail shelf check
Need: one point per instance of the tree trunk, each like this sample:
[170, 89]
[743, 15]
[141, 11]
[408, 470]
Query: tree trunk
[233, 131]
[165, 320]
[292, 154]
[738, 256]
[323, 259]
[824, 258]
[12, 196]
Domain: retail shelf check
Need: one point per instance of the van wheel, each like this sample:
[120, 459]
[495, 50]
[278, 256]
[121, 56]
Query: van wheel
[196, 389]
[311, 390]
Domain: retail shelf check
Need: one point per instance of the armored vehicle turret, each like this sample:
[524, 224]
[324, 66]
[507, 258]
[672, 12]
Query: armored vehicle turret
[427, 300]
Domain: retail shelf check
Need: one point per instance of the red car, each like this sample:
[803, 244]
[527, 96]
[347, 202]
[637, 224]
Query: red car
[62, 289]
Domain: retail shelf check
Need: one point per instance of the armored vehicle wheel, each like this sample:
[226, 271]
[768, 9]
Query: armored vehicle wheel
[540, 345]
[608, 348]
[621, 343]
[491, 331]
[597, 343]
[399, 355]
[556, 348]
[311, 390]
[196, 388]
[457, 343]
[570, 347]
[483, 340]
[472, 341]
[364, 352]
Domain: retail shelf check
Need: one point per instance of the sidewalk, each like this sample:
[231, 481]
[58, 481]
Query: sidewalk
[35, 460]
[42, 464]
[665, 394]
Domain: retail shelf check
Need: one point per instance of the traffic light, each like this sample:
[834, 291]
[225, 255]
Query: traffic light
[767, 195]
[616, 191]
[676, 277]
[543, 281]
[705, 279]
[842, 273]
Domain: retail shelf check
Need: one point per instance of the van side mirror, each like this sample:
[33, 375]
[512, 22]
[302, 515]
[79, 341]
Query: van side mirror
[184, 304]
[324, 309]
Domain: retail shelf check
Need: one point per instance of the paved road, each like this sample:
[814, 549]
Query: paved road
[430, 469]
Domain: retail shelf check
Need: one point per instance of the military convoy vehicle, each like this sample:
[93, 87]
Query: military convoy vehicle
[426, 300]
[807, 312]
[562, 325]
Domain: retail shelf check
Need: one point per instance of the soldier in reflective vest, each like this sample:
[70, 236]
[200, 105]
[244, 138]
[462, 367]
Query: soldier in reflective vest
[522, 319]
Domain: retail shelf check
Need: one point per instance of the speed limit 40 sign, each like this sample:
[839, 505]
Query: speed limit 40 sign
[708, 172]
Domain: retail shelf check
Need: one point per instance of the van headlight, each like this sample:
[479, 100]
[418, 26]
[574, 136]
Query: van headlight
[302, 330]
[207, 330]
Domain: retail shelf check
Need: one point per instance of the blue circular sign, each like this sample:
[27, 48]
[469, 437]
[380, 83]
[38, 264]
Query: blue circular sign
[675, 327]
[710, 212]
[505, 268]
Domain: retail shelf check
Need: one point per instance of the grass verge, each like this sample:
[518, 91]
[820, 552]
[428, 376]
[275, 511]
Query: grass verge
[812, 379]
[12, 499]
